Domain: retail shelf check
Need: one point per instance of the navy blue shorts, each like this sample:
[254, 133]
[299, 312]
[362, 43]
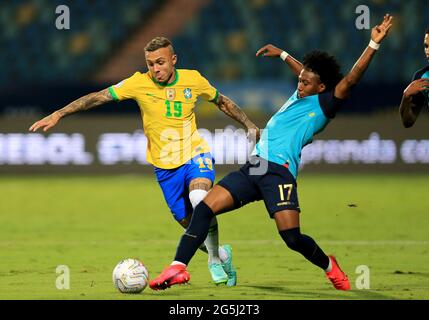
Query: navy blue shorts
[175, 183]
[275, 185]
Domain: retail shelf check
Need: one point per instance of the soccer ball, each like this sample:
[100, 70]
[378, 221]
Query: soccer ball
[130, 276]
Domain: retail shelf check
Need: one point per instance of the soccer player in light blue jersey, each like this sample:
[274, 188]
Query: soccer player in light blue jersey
[416, 95]
[271, 173]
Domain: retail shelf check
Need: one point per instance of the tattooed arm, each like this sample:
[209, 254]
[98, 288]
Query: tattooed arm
[84, 103]
[228, 107]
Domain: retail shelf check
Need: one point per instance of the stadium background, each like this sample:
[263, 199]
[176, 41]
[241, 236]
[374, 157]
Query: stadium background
[44, 68]
[380, 212]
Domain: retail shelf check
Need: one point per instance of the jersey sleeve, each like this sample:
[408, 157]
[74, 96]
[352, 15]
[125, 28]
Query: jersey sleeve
[125, 89]
[207, 91]
[330, 104]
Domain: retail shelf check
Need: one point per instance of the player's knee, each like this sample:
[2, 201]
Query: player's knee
[196, 196]
[292, 238]
[184, 222]
[181, 215]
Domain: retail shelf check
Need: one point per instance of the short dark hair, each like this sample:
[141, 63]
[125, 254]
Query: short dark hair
[158, 43]
[325, 65]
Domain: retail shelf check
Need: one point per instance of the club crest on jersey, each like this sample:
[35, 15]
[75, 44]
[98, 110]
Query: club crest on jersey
[188, 94]
[170, 93]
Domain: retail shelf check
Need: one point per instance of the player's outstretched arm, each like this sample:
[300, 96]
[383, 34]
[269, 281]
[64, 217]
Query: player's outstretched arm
[84, 103]
[227, 106]
[271, 51]
[378, 33]
[409, 110]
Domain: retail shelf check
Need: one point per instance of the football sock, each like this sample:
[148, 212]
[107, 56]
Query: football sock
[195, 234]
[329, 268]
[223, 255]
[305, 245]
[203, 248]
[212, 242]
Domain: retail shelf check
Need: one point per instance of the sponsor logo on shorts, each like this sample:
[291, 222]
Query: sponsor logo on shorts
[286, 203]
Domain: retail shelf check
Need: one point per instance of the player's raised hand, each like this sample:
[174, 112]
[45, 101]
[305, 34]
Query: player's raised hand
[269, 51]
[380, 31]
[46, 123]
[417, 86]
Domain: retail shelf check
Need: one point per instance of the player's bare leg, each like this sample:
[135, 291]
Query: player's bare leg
[287, 222]
[219, 200]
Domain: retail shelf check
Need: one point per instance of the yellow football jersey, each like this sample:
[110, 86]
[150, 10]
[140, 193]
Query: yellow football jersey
[168, 114]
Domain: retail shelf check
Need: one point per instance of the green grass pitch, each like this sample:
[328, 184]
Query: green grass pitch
[90, 224]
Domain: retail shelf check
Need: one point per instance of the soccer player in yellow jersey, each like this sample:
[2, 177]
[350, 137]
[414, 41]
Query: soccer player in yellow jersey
[181, 158]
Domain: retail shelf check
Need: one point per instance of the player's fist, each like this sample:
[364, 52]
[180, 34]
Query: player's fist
[46, 123]
[417, 86]
[269, 51]
[380, 31]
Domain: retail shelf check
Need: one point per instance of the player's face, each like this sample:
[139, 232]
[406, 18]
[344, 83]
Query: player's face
[426, 45]
[309, 84]
[161, 64]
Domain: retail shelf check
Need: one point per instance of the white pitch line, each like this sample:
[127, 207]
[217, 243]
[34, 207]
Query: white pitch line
[328, 242]
[378, 242]
[237, 242]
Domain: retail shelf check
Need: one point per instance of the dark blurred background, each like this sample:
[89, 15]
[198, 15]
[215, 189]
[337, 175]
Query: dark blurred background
[44, 68]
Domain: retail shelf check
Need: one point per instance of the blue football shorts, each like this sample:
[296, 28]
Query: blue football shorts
[175, 183]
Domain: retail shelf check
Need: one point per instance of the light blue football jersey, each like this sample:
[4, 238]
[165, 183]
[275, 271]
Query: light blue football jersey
[292, 128]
